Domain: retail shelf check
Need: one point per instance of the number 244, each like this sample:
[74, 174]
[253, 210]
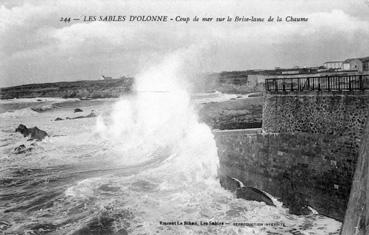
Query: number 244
[65, 19]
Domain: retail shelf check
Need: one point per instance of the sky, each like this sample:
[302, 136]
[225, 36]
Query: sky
[35, 47]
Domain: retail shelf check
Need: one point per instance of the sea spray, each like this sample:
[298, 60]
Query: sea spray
[160, 115]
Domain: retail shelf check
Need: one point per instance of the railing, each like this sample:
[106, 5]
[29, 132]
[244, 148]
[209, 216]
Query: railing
[321, 83]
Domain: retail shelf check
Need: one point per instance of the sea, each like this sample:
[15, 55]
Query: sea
[142, 166]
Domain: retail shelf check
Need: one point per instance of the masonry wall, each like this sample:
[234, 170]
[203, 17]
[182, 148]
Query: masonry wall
[306, 152]
[331, 114]
[291, 166]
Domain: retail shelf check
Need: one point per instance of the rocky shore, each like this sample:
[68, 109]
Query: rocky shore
[78, 89]
[243, 113]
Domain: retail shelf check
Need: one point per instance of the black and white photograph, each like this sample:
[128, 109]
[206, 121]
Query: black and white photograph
[184, 117]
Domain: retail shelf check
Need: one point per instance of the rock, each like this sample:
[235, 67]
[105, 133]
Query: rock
[92, 114]
[42, 108]
[22, 149]
[34, 133]
[253, 194]
[77, 110]
[58, 119]
[78, 117]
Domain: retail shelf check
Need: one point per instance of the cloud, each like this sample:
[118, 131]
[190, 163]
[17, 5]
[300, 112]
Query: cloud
[38, 47]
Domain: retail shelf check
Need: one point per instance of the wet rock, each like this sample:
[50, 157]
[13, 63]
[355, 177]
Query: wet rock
[33, 133]
[77, 110]
[22, 149]
[58, 119]
[253, 194]
[92, 114]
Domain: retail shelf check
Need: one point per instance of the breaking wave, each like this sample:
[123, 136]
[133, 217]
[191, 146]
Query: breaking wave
[161, 116]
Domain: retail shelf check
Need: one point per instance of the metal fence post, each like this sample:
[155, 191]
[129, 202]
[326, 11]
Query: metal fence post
[329, 83]
[291, 84]
[319, 83]
[308, 83]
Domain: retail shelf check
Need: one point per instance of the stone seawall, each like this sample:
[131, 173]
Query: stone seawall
[298, 168]
[306, 152]
[336, 115]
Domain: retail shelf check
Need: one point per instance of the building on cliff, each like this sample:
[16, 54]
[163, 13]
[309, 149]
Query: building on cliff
[334, 65]
[105, 78]
[357, 64]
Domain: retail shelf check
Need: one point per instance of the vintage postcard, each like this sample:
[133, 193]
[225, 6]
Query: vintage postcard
[184, 117]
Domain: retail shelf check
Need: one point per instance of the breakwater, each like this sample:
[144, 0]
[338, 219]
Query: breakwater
[306, 152]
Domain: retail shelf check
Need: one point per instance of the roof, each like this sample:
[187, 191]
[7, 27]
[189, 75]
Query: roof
[363, 59]
[333, 62]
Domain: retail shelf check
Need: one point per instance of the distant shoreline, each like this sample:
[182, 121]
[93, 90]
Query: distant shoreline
[86, 89]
